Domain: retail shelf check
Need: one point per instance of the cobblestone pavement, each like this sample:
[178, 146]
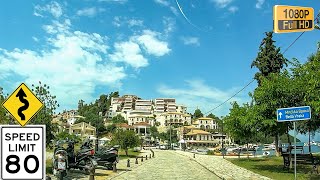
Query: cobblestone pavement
[222, 167]
[168, 165]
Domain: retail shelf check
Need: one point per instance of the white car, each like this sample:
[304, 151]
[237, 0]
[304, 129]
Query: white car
[163, 147]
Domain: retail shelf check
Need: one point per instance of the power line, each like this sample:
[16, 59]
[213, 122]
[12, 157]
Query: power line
[252, 79]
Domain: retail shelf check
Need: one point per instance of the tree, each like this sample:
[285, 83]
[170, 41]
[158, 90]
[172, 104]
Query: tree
[307, 77]
[103, 104]
[111, 128]
[44, 116]
[154, 132]
[3, 114]
[91, 114]
[269, 59]
[118, 119]
[197, 114]
[126, 139]
[240, 123]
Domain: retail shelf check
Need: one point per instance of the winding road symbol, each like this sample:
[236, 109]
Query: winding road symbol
[21, 94]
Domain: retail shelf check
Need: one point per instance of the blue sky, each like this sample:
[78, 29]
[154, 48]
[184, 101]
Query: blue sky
[197, 51]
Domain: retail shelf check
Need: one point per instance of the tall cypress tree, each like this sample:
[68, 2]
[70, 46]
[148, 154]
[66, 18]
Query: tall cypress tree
[269, 59]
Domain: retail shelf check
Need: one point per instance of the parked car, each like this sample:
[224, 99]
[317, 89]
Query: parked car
[163, 147]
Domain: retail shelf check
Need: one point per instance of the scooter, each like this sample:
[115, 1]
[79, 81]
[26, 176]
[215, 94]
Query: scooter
[60, 158]
[104, 156]
[107, 157]
[82, 160]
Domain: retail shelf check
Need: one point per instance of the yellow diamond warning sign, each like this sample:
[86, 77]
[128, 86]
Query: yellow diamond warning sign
[22, 104]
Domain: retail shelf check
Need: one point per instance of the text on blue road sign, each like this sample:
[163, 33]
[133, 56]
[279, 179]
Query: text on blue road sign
[294, 113]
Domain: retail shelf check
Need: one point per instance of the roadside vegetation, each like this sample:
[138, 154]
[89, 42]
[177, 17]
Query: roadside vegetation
[272, 167]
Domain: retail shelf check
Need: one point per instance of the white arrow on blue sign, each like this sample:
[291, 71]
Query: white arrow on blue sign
[294, 113]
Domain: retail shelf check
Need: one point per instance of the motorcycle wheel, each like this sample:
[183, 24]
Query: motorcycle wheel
[61, 176]
[90, 165]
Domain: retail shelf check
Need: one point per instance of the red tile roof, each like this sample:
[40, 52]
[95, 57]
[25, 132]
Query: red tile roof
[142, 124]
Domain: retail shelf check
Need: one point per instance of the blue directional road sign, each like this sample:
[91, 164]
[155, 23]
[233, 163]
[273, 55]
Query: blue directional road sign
[294, 113]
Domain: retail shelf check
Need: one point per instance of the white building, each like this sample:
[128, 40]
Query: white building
[134, 119]
[172, 118]
[143, 105]
[205, 123]
[165, 105]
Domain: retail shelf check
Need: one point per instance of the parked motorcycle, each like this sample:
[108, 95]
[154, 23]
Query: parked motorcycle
[82, 160]
[104, 156]
[60, 158]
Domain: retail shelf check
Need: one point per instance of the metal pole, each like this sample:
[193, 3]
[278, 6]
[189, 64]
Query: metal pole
[170, 136]
[222, 141]
[295, 151]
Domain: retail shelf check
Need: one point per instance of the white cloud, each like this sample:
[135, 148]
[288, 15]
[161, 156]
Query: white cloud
[198, 94]
[135, 22]
[130, 53]
[115, 1]
[169, 25]
[259, 4]
[162, 2]
[190, 41]
[90, 12]
[72, 64]
[222, 3]
[150, 42]
[35, 39]
[53, 8]
[120, 21]
[166, 3]
[233, 9]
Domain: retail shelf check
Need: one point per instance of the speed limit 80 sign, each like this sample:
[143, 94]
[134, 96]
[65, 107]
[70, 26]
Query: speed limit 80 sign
[22, 152]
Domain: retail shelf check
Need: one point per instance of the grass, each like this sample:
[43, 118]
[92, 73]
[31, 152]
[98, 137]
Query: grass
[131, 154]
[272, 167]
[49, 166]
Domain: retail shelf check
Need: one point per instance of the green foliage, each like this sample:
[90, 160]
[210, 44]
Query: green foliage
[3, 118]
[307, 79]
[126, 139]
[269, 59]
[44, 116]
[240, 122]
[94, 112]
[111, 128]
[118, 119]
[165, 136]
[197, 114]
[65, 135]
[213, 116]
[154, 132]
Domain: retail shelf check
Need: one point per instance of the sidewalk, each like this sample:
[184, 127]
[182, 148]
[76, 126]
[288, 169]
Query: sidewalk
[222, 167]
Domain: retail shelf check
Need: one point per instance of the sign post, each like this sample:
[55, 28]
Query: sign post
[294, 114]
[22, 148]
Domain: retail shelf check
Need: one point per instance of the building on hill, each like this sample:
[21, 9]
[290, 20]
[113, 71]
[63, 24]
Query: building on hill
[172, 119]
[83, 129]
[134, 119]
[195, 137]
[124, 126]
[207, 124]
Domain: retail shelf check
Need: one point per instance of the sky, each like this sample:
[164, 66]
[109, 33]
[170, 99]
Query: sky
[197, 51]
